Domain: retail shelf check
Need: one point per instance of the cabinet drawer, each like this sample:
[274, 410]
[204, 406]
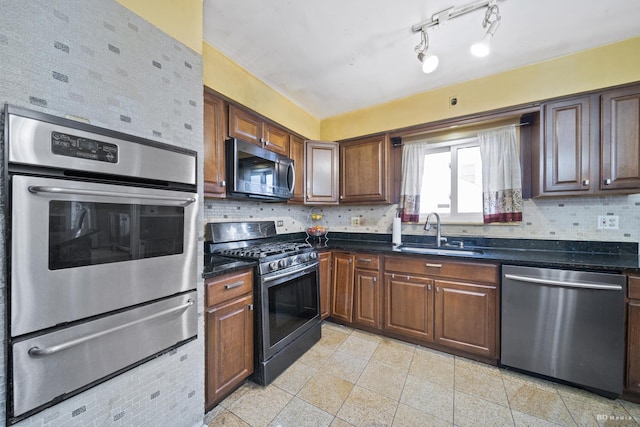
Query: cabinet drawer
[228, 286]
[368, 261]
[440, 267]
[634, 287]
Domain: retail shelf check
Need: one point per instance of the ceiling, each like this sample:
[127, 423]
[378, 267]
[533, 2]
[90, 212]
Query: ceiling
[335, 56]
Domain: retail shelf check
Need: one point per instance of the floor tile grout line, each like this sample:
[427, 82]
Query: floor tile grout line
[404, 384]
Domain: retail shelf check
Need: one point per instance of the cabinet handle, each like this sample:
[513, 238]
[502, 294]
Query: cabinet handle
[607, 181]
[341, 197]
[433, 265]
[223, 183]
[428, 287]
[437, 288]
[262, 141]
[364, 259]
[266, 143]
[350, 261]
[233, 285]
[250, 307]
[585, 182]
[375, 280]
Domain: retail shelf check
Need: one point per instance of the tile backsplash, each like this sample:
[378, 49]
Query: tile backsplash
[570, 218]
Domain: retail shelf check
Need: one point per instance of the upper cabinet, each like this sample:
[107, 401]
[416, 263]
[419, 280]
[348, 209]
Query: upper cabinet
[364, 170]
[215, 132]
[321, 173]
[589, 145]
[296, 153]
[620, 142]
[251, 128]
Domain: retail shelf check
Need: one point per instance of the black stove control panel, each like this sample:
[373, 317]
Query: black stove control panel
[68, 145]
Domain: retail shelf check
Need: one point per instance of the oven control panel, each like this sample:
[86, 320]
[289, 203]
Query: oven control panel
[68, 145]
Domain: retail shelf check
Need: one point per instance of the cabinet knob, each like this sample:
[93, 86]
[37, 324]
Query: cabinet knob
[607, 181]
[428, 287]
[437, 288]
[223, 183]
[250, 307]
[375, 280]
[341, 197]
[585, 182]
[262, 140]
[266, 142]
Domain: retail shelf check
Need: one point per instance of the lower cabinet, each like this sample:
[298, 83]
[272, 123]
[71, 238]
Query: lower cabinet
[324, 268]
[409, 306]
[228, 334]
[632, 383]
[342, 287]
[466, 317]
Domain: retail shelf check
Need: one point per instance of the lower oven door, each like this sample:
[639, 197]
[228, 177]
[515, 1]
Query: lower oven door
[73, 359]
[80, 249]
[289, 306]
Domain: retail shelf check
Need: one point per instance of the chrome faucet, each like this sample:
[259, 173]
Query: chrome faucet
[427, 227]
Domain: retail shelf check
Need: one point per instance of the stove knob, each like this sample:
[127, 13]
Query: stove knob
[283, 262]
[313, 255]
[296, 259]
[273, 265]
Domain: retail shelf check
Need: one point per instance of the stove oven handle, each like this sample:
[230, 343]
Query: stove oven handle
[37, 351]
[305, 269]
[185, 201]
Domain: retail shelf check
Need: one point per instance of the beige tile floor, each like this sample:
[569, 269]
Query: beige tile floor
[353, 378]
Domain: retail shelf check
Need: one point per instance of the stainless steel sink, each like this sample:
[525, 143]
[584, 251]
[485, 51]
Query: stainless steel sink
[442, 250]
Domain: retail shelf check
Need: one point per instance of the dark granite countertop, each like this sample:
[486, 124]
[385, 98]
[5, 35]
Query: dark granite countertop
[215, 265]
[602, 256]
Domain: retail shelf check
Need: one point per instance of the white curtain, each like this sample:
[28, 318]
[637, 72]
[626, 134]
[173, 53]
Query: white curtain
[501, 177]
[411, 187]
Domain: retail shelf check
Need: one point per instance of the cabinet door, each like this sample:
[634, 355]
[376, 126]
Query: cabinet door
[244, 125]
[322, 172]
[633, 346]
[276, 139]
[367, 298]
[215, 131]
[364, 170]
[621, 139]
[229, 347]
[465, 317]
[566, 150]
[325, 283]
[342, 291]
[296, 152]
[409, 306]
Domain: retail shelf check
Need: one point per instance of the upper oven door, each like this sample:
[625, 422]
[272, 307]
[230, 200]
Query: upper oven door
[80, 249]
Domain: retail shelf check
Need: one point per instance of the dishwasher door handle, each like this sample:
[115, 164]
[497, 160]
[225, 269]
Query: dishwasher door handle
[560, 283]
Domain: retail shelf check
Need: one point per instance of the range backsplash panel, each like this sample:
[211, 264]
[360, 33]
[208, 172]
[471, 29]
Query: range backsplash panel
[96, 61]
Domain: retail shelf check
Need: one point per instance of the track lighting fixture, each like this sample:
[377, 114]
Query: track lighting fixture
[480, 49]
[429, 62]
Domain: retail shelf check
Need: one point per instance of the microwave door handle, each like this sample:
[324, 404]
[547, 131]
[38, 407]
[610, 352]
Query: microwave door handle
[291, 172]
[36, 189]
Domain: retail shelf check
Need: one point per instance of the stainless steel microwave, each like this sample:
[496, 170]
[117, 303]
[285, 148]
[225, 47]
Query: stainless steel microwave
[254, 172]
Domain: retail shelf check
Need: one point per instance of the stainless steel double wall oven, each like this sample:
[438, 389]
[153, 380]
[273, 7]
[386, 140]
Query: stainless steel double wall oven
[101, 254]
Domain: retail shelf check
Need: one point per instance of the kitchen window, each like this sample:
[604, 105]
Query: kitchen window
[452, 181]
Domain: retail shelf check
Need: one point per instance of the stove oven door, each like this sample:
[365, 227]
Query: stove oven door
[289, 306]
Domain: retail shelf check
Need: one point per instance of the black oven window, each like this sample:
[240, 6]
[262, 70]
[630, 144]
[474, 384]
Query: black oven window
[88, 233]
[291, 305]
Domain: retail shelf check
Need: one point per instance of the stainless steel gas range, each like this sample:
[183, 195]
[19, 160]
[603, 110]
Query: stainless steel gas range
[286, 292]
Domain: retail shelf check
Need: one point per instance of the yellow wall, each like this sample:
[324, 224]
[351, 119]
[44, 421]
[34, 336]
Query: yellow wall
[593, 69]
[181, 19]
[231, 80]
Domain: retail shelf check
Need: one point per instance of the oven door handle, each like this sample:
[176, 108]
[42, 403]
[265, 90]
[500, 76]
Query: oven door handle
[185, 201]
[304, 269]
[37, 351]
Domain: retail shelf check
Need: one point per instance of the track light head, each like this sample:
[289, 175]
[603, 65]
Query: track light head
[429, 62]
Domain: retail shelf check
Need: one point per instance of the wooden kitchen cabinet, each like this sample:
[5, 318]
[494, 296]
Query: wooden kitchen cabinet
[466, 317]
[215, 131]
[590, 145]
[324, 268]
[367, 295]
[364, 170]
[296, 153]
[251, 128]
[342, 287]
[409, 305]
[632, 383]
[620, 158]
[322, 173]
[228, 334]
[449, 303]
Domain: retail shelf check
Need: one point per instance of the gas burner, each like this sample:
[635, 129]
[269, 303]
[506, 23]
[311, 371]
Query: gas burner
[266, 250]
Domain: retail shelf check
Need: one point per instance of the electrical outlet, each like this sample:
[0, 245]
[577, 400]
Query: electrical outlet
[280, 223]
[355, 221]
[608, 222]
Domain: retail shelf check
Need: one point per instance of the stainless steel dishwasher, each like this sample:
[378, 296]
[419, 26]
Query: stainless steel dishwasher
[565, 324]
